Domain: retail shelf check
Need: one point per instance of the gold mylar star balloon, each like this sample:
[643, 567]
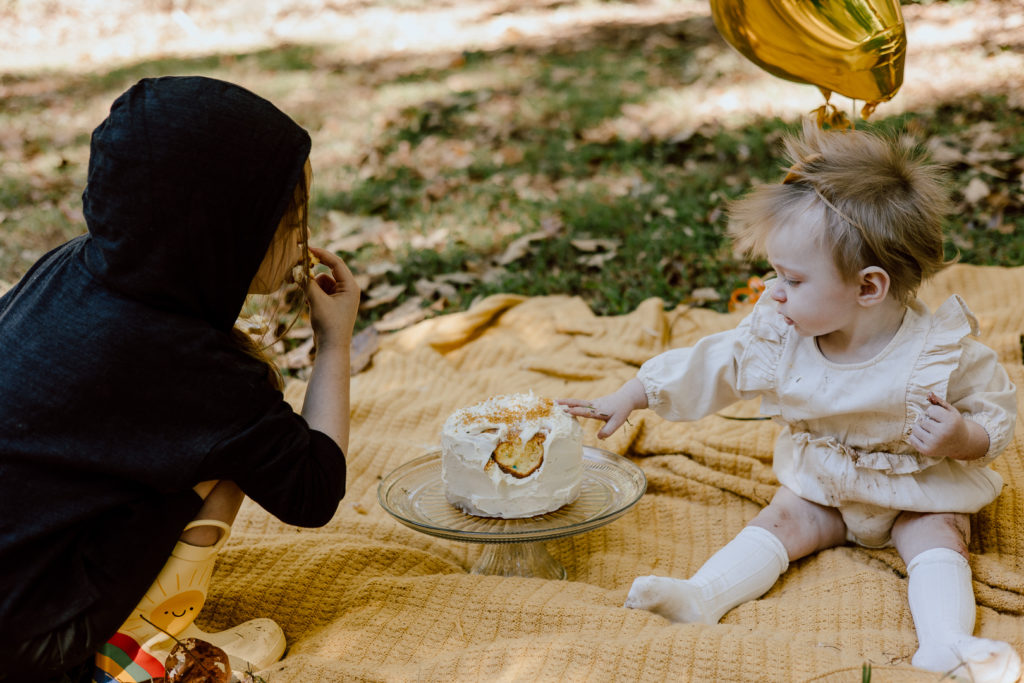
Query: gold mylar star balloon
[853, 47]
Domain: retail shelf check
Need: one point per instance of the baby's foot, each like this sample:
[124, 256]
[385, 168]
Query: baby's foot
[674, 599]
[978, 660]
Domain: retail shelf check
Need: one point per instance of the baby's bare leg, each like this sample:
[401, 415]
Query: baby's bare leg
[934, 547]
[915, 532]
[802, 526]
[746, 567]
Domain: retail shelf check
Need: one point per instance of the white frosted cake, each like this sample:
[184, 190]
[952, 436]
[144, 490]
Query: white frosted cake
[512, 456]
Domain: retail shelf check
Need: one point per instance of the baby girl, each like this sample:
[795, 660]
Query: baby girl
[890, 413]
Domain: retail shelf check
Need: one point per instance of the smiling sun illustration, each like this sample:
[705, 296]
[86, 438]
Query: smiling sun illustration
[178, 611]
[138, 649]
[128, 657]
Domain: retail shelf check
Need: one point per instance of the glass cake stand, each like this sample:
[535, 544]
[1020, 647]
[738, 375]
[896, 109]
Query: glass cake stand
[414, 495]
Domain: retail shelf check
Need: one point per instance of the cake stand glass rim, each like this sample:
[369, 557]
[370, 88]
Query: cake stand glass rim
[612, 484]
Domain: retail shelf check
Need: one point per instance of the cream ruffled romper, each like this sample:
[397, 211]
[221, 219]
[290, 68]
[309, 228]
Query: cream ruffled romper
[845, 426]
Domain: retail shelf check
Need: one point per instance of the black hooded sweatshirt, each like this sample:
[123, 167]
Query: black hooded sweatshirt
[120, 387]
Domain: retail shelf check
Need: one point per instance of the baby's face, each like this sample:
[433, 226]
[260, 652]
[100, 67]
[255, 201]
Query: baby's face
[812, 296]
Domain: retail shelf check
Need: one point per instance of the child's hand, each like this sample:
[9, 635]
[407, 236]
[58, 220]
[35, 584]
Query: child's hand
[942, 432]
[333, 301]
[614, 408]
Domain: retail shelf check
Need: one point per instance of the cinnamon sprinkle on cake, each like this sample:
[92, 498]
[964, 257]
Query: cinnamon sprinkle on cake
[508, 415]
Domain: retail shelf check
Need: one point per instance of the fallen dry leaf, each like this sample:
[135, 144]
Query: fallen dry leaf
[534, 187]
[408, 313]
[944, 152]
[364, 280]
[596, 260]
[990, 170]
[364, 345]
[703, 295]
[380, 295]
[976, 190]
[299, 357]
[434, 289]
[457, 278]
[596, 244]
[520, 247]
[250, 677]
[435, 239]
[380, 268]
[439, 187]
[552, 225]
[494, 275]
[196, 661]
[300, 331]
[348, 233]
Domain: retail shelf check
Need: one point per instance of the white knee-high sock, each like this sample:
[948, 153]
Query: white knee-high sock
[941, 601]
[744, 569]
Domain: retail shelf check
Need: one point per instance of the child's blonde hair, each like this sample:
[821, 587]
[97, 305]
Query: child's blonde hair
[294, 227]
[295, 222]
[880, 202]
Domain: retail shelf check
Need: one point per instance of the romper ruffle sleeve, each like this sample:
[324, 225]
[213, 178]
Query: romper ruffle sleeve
[689, 383]
[945, 334]
[965, 373]
[768, 336]
[721, 369]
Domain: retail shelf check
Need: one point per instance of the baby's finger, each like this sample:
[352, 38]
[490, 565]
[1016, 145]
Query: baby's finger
[582, 408]
[587, 411]
[572, 402]
[613, 423]
[920, 429]
[935, 400]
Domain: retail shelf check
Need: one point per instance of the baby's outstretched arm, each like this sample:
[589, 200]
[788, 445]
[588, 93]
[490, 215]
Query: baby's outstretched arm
[942, 432]
[613, 408]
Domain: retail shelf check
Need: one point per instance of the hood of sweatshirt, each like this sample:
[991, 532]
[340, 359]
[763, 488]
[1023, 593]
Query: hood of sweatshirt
[188, 180]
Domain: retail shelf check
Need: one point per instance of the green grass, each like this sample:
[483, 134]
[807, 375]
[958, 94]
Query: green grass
[490, 146]
[669, 225]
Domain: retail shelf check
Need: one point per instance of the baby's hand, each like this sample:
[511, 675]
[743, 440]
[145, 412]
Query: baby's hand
[614, 408]
[942, 432]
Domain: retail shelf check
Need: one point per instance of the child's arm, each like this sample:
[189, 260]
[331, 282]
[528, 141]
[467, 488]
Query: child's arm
[613, 408]
[678, 384]
[333, 303]
[942, 432]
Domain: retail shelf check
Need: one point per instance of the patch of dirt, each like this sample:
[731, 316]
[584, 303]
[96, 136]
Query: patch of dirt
[81, 35]
[954, 50]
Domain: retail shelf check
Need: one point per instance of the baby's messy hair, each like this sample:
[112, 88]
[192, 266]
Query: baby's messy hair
[881, 203]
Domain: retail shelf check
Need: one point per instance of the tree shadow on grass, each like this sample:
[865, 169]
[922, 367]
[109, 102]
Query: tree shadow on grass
[621, 132]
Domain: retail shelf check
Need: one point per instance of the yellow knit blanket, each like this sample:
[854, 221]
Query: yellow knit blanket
[368, 599]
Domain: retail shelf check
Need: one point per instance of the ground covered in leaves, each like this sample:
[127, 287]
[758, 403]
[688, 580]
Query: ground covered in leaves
[467, 148]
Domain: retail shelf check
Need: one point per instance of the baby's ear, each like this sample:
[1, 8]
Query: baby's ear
[874, 285]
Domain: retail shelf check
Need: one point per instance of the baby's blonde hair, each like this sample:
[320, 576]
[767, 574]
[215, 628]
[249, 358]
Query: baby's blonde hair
[880, 203]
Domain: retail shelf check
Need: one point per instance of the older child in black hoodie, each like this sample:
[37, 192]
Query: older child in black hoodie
[131, 408]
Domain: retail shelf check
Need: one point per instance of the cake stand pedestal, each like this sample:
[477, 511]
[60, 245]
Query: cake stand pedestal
[414, 495]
